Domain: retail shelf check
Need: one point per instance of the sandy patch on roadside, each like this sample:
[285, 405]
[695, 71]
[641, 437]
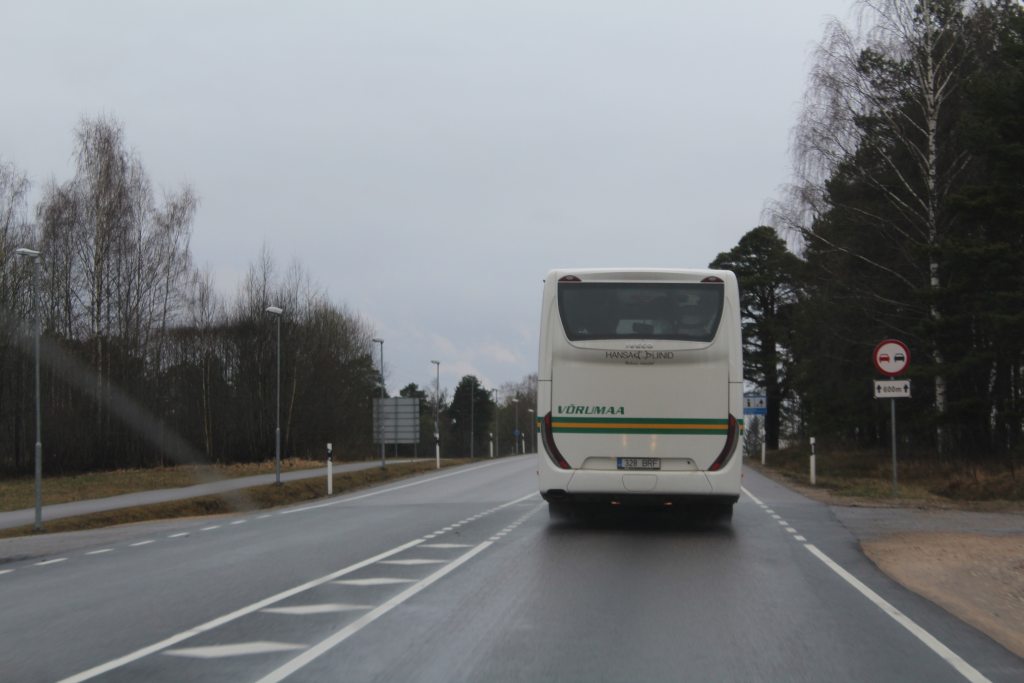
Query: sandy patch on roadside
[978, 578]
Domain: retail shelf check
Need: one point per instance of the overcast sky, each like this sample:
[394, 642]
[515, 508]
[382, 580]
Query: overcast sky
[428, 161]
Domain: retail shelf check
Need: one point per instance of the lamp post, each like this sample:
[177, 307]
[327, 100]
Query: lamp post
[380, 431]
[495, 392]
[437, 425]
[472, 396]
[277, 311]
[533, 428]
[34, 255]
[515, 451]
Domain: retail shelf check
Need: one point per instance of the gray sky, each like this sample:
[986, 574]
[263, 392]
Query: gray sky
[427, 161]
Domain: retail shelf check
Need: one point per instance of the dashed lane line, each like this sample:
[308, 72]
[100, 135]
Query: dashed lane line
[333, 577]
[232, 616]
[234, 650]
[324, 608]
[344, 634]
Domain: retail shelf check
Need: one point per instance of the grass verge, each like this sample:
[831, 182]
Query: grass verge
[19, 494]
[854, 477]
[245, 500]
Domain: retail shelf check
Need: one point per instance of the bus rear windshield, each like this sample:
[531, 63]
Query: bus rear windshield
[640, 310]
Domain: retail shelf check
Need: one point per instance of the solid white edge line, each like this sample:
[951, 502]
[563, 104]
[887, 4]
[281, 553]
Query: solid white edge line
[339, 501]
[327, 644]
[954, 660]
[220, 621]
[751, 496]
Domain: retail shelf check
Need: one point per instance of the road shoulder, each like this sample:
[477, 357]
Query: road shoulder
[969, 562]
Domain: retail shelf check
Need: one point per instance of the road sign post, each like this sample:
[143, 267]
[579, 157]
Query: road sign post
[891, 357]
[756, 405]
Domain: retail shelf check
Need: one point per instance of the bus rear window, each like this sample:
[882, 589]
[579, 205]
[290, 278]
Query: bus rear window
[648, 310]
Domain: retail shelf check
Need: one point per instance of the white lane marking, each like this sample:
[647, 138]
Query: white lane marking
[936, 646]
[136, 545]
[100, 551]
[210, 528]
[783, 522]
[53, 561]
[220, 621]
[236, 650]
[327, 644]
[751, 496]
[264, 516]
[413, 562]
[790, 529]
[237, 522]
[5, 571]
[954, 660]
[444, 546]
[776, 516]
[381, 581]
[326, 608]
[179, 534]
[418, 482]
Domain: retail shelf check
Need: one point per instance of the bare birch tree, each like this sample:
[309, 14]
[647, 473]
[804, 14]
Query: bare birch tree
[879, 110]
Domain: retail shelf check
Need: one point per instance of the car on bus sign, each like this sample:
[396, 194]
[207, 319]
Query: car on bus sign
[891, 357]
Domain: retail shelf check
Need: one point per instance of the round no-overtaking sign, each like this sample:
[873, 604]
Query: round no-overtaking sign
[891, 357]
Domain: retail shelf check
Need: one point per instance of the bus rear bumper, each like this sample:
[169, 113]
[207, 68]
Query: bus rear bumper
[638, 499]
[644, 488]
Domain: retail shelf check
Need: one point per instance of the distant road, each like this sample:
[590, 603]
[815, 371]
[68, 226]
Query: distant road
[459, 576]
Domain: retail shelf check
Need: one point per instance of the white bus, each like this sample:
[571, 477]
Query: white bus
[640, 391]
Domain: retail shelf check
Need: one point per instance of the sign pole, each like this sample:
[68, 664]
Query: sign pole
[895, 485]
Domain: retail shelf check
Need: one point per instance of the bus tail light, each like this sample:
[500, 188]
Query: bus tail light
[549, 445]
[731, 440]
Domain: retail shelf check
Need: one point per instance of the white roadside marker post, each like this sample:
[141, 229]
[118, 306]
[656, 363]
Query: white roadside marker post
[330, 472]
[812, 461]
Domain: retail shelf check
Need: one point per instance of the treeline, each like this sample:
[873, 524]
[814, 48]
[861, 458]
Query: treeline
[474, 417]
[907, 215]
[143, 362]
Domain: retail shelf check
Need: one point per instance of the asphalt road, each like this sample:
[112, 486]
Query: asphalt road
[459, 576]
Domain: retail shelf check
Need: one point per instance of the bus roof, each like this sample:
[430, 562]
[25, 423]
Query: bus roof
[677, 274]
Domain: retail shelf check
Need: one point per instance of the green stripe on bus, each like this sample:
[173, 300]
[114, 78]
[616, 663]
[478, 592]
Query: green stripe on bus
[585, 425]
[642, 420]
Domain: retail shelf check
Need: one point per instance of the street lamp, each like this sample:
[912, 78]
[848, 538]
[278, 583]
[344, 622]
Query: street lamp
[516, 449]
[277, 311]
[437, 427]
[495, 392]
[472, 397]
[34, 255]
[533, 427]
[381, 407]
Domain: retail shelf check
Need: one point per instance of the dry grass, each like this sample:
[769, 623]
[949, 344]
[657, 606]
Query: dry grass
[853, 476]
[19, 494]
[256, 498]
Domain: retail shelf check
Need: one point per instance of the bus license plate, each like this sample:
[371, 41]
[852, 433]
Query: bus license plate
[639, 463]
